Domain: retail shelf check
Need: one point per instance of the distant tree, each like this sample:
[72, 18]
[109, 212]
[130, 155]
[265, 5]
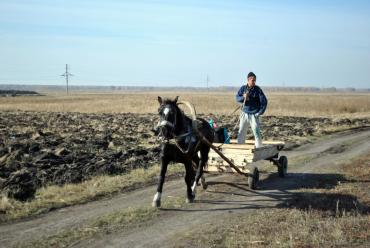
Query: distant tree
[350, 89]
[329, 89]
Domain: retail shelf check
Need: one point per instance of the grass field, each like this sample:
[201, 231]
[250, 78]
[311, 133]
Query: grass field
[283, 104]
[326, 217]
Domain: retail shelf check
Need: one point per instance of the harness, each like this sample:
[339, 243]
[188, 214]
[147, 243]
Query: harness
[189, 137]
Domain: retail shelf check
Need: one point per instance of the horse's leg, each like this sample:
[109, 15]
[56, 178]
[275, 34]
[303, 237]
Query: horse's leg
[203, 182]
[203, 161]
[196, 167]
[189, 177]
[157, 196]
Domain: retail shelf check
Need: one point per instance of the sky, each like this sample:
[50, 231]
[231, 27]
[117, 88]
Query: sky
[178, 43]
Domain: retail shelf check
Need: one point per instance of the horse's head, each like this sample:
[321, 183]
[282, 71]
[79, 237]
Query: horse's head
[169, 117]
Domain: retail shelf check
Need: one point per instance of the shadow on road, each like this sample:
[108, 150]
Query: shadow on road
[294, 181]
[275, 192]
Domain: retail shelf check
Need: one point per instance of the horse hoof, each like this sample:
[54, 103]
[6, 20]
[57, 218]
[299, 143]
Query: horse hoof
[190, 199]
[156, 204]
[204, 185]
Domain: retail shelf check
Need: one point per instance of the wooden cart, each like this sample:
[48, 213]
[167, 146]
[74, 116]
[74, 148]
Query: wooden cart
[240, 158]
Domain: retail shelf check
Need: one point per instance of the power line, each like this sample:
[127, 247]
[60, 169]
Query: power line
[67, 75]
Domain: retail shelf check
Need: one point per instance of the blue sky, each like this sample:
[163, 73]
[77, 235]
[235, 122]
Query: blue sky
[177, 43]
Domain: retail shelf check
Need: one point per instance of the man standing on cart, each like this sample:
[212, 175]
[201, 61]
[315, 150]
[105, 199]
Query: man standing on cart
[254, 105]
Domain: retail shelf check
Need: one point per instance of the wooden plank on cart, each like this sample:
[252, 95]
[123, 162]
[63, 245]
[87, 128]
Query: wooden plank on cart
[265, 152]
[225, 169]
[234, 146]
[214, 148]
[244, 152]
[241, 155]
[252, 142]
[240, 162]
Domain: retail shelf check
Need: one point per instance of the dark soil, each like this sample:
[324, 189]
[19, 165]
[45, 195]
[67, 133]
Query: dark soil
[39, 148]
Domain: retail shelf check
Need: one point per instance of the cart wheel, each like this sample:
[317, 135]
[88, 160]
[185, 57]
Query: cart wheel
[253, 178]
[283, 166]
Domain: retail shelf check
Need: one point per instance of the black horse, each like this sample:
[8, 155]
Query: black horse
[181, 144]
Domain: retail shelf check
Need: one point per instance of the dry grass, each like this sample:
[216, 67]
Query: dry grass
[359, 169]
[282, 228]
[121, 220]
[293, 104]
[314, 105]
[359, 174]
[332, 217]
[54, 197]
[6, 205]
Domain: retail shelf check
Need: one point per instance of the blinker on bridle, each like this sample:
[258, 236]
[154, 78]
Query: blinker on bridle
[166, 123]
[176, 138]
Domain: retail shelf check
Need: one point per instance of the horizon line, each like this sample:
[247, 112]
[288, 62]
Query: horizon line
[172, 87]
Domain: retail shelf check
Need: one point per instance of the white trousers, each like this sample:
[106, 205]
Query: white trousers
[253, 121]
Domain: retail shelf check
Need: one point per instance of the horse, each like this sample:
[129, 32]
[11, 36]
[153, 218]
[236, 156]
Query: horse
[181, 143]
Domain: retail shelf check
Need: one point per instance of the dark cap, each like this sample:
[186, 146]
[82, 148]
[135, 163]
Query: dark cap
[251, 74]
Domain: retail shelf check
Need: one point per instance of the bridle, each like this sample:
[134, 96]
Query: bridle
[165, 123]
[188, 136]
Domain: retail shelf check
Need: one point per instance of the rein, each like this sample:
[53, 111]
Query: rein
[177, 138]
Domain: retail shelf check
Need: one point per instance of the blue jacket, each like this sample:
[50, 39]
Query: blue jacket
[257, 102]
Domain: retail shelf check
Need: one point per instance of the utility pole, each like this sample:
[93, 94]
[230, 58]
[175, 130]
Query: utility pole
[66, 75]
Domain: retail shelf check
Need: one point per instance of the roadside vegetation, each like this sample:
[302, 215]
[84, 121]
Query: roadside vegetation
[336, 213]
[55, 197]
[121, 220]
[124, 219]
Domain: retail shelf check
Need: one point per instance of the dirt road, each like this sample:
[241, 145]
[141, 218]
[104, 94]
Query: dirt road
[225, 194]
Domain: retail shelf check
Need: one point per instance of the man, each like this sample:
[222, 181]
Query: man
[254, 104]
